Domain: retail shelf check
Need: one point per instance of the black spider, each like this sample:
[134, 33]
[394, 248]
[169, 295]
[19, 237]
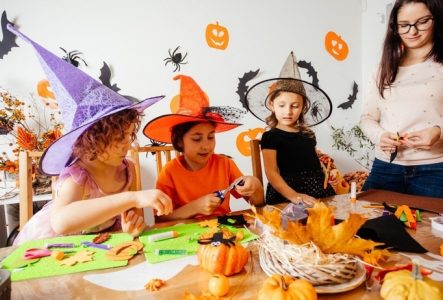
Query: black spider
[176, 59]
[217, 239]
[316, 111]
[154, 143]
[73, 57]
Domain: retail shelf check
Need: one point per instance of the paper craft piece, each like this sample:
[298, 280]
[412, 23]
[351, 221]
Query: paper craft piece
[48, 266]
[302, 64]
[243, 138]
[187, 239]
[101, 238]
[217, 36]
[8, 41]
[242, 88]
[21, 263]
[336, 46]
[209, 223]
[154, 285]
[79, 257]
[135, 278]
[351, 98]
[176, 59]
[124, 251]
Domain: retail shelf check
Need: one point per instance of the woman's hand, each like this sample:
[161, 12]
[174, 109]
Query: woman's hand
[205, 205]
[154, 198]
[306, 199]
[389, 141]
[132, 222]
[423, 139]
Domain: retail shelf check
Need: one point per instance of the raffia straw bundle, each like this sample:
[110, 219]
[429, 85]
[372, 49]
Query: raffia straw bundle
[304, 261]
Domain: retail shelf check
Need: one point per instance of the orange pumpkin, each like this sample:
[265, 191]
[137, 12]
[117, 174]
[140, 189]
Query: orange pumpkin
[222, 256]
[285, 287]
[336, 46]
[244, 137]
[217, 36]
[46, 94]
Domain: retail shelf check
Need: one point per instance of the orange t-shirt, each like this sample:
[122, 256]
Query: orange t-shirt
[184, 186]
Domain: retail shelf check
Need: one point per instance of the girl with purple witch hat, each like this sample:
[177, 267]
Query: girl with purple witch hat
[96, 187]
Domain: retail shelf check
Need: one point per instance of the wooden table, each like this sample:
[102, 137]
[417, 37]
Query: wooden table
[191, 278]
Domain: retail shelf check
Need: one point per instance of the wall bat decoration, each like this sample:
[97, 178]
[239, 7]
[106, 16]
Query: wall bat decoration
[351, 98]
[8, 41]
[242, 88]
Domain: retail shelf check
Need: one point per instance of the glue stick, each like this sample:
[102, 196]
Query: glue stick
[162, 236]
[353, 192]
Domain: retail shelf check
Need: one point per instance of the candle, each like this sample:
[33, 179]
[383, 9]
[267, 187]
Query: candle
[353, 192]
[162, 236]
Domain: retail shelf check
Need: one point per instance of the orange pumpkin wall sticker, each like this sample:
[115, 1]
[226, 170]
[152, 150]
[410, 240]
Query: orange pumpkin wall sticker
[217, 36]
[336, 46]
[244, 137]
[46, 95]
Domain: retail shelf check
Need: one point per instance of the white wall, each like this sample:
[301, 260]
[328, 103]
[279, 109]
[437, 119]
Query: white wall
[134, 37]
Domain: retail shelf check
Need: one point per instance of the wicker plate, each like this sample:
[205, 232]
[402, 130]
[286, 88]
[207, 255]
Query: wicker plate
[355, 272]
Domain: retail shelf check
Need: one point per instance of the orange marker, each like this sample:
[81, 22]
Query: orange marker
[162, 236]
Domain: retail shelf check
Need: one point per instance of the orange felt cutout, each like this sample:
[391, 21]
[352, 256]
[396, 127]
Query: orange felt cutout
[79, 257]
[217, 36]
[336, 46]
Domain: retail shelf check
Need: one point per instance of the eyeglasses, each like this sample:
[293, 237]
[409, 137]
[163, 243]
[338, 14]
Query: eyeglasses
[420, 25]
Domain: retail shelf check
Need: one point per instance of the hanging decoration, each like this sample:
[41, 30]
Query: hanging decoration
[8, 41]
[217, 36]
[176, 59]
[351, 98]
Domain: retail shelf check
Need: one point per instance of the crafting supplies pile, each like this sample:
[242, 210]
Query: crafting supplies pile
[320, 252]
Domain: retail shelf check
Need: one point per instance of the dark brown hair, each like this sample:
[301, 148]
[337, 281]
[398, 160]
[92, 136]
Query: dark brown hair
[392, 46]
[94, 141]
[178, 131]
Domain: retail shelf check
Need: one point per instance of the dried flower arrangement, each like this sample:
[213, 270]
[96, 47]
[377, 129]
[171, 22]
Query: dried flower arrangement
[23, 128]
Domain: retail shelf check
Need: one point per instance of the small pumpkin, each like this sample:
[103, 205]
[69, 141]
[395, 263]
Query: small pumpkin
[244, 137]
[217, 36]
[221, 255]
[218, 285]
[336, 46]
[404, 285]
[282, 287]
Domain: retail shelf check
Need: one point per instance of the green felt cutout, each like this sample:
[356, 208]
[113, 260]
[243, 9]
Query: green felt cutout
[403, 217]
[187, 240]
[48, 266]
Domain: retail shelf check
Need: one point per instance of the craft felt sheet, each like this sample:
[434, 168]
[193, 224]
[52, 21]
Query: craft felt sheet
[48, 266]
[187, 240]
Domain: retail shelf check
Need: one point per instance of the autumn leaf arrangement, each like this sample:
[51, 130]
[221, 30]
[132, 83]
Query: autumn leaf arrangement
[319, 251]
[23, 128]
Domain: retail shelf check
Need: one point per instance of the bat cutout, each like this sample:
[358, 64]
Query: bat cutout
[351, 98]
[8, 41]
[311, 71]
[242, 88]
[105, 78]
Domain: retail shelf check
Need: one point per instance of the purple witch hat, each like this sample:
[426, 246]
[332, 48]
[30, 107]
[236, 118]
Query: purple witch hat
[82, 101]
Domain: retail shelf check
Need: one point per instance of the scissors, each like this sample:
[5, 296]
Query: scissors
[33, 253]
[222, 193]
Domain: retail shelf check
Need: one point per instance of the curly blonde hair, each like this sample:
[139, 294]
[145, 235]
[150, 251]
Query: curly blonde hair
[99, 136]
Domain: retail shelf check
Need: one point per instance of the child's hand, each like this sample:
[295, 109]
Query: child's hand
[206, 205]
[156, 199]
[249, 187]
[132, 223]
[306, 199]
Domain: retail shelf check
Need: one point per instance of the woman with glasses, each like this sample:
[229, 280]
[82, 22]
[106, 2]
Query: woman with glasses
[403, 108]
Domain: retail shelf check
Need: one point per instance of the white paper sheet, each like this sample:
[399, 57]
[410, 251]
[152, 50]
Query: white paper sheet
[135, 278]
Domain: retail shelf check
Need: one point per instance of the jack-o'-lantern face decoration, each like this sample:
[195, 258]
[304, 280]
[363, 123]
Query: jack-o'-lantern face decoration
[244, 137]
[217, 36]
[336, 46]
[46, 95]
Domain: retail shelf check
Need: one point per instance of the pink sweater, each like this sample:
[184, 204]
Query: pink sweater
[414, 102]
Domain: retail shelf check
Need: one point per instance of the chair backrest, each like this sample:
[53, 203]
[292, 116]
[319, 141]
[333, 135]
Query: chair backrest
[256, 159]
[162, 154]
[26, 192]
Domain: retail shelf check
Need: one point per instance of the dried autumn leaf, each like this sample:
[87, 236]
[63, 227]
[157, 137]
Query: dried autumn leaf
[209, 223]
[154, 284]
[25, 139]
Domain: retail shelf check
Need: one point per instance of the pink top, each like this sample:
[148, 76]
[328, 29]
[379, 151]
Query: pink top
[414, 102]
[39, 225]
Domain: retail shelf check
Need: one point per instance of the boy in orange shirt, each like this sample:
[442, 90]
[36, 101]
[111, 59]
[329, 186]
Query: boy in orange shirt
[192, 178]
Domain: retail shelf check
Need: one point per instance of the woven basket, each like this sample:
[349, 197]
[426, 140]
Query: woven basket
[305, 261]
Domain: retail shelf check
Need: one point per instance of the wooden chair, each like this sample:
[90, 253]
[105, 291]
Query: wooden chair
[162, 153]
[26, 192]
[256, 159]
